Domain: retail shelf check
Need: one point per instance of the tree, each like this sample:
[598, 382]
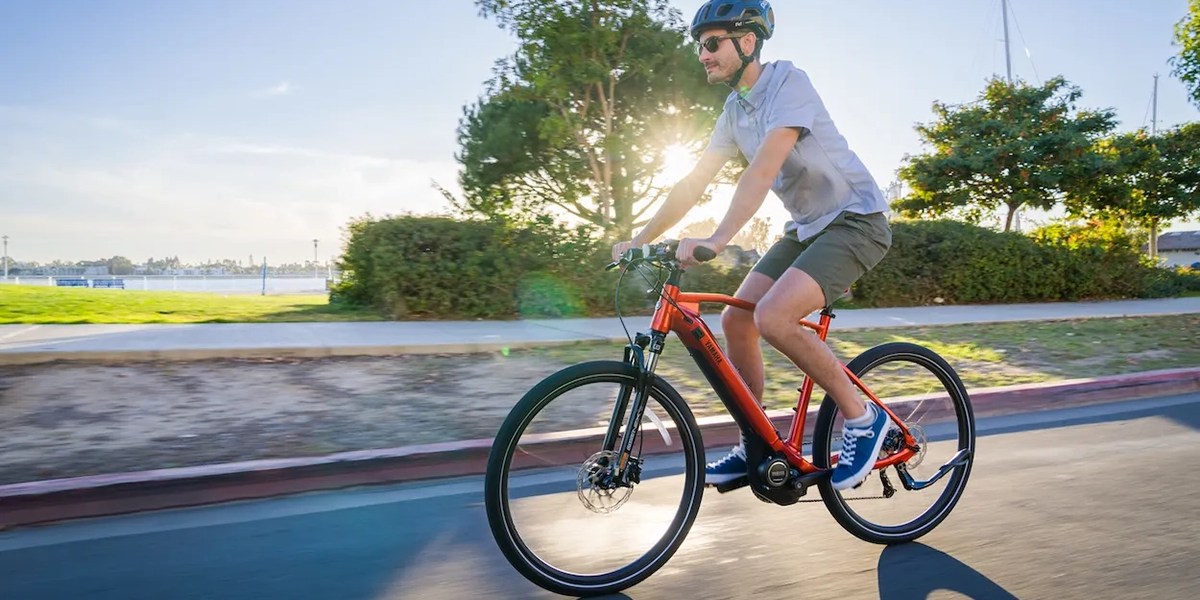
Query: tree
[119, 265]
[756, 235]
[580, 119]
[1149, 180]
[699, 229]
[1016, 145]
[1186, 66]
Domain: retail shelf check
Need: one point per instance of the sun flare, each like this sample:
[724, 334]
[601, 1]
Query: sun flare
[678, 161]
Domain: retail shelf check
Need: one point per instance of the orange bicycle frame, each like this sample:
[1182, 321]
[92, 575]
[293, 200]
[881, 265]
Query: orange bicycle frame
[680, 312]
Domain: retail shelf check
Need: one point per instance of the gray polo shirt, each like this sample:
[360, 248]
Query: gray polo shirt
[821, 177]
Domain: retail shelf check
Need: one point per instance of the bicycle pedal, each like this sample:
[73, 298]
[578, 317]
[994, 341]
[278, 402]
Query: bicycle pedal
[729, 486]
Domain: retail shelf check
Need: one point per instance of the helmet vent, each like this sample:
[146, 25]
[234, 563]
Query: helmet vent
[724, 9]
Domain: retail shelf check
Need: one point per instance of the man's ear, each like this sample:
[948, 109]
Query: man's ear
[751, 40]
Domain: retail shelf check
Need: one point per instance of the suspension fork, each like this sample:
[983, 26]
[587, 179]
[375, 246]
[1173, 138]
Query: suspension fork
[639, 393]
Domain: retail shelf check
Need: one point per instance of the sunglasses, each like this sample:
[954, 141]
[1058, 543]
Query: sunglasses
[711, 44]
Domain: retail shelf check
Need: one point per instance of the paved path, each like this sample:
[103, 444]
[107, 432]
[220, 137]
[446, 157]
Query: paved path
[35, 343]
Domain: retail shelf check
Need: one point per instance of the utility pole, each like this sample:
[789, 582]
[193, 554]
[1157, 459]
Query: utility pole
[1008, 76]
[316, 262]
[5, 258]
[1007, 53]
[1154, 109]
[1153, 245]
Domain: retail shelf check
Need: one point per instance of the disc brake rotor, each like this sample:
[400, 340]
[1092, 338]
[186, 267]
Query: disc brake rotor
[597, 490]
[918, 433]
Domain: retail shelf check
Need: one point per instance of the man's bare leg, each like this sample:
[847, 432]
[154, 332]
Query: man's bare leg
[742, 347]
[777, 317]
[741, 334]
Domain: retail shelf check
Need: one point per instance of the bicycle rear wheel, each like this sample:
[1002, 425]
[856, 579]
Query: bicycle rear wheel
[553, 509]
[924, 392]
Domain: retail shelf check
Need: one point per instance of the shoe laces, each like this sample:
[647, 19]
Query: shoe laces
[850, 441]
[735, 453]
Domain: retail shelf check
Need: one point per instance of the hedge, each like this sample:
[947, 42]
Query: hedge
[414, 267]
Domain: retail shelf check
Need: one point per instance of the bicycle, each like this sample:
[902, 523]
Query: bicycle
[611, 427]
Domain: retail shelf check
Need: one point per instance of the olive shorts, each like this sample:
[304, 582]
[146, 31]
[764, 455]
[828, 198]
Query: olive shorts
[836, 257]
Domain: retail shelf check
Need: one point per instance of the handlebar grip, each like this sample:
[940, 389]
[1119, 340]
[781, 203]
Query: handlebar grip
[703, 254]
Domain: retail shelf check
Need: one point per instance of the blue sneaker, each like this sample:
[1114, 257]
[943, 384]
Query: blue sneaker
[727, 469]
[860, 448]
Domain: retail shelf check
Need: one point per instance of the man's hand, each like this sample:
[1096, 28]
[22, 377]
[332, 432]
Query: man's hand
[688, 245]
[619, 249]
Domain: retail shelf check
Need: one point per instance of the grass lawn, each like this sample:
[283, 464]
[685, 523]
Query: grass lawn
[38, 304]
[984, 355]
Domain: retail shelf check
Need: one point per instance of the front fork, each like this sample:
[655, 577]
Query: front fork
[627, 469]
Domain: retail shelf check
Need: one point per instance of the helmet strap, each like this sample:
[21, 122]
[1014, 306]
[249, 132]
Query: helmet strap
[737, 75]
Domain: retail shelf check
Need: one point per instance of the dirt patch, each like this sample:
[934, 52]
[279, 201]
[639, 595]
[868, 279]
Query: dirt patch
[70, 419]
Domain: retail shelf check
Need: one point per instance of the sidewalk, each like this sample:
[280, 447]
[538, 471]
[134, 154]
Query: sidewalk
[26, 344]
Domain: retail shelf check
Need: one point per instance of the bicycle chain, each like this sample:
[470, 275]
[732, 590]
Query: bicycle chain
[847, 499]
[852, 499]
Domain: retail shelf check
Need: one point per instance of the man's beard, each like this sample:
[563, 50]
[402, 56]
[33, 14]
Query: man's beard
[717, 75]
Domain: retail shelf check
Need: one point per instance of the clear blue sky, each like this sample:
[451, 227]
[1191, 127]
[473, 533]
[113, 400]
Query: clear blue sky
[225, 128]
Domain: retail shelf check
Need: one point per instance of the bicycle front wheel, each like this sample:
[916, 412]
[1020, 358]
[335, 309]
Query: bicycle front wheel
[553, 507]
[925, 393]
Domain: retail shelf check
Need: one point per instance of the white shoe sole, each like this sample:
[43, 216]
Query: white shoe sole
[718, 479]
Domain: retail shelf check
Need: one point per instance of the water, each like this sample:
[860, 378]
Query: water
[220, 285]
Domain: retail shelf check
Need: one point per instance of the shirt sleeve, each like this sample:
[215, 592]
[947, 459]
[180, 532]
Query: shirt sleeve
[796, 105]
[722, 141]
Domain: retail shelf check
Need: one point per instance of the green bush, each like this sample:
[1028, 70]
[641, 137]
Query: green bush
[1188, 278]
[440, 268]
[962, 264]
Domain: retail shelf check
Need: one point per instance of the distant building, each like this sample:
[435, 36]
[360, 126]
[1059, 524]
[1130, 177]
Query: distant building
[66, 272]
[1180, 249]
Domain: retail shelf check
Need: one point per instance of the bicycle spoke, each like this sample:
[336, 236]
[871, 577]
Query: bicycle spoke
[571, 508]
[921, 392]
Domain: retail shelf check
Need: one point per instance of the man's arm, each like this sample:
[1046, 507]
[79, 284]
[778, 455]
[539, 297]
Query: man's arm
[683, 197]
[751, 190]
[754, 184]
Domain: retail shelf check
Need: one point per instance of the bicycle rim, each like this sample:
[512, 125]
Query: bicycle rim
[560, 524]
[924, 393]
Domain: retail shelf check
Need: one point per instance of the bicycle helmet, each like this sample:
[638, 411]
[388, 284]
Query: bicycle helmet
[755, 15]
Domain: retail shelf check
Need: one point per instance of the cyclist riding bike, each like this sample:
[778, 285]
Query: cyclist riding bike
[838, 229]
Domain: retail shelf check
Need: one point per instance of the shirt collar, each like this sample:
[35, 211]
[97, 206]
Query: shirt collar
[753, 99]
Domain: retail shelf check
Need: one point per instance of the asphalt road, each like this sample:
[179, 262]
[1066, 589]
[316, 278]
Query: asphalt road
[1097, 502]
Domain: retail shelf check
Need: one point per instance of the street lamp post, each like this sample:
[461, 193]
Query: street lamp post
[316, 262]
[5, 258]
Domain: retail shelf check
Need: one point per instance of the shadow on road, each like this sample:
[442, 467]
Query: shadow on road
[915, 571]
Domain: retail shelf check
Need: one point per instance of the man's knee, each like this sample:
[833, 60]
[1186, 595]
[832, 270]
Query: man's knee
[769, 319]
[737, 322]
[783, 309]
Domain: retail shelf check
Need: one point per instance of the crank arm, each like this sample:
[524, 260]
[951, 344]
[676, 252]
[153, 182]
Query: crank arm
[909, 483]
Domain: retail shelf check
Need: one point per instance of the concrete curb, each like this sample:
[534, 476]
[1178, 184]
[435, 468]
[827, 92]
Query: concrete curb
[100, 495]
[194, 354]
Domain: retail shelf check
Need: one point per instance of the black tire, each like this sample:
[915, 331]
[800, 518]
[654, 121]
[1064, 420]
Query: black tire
[499, 474]
[940, 374]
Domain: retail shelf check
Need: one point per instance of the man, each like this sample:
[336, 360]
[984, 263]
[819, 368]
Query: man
[838, 231]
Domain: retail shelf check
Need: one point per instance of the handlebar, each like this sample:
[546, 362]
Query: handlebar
[661, 253]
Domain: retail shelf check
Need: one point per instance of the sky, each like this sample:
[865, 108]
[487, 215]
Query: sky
[225, 129]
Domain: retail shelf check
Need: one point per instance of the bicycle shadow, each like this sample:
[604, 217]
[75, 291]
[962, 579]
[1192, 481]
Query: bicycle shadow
[915, 571]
